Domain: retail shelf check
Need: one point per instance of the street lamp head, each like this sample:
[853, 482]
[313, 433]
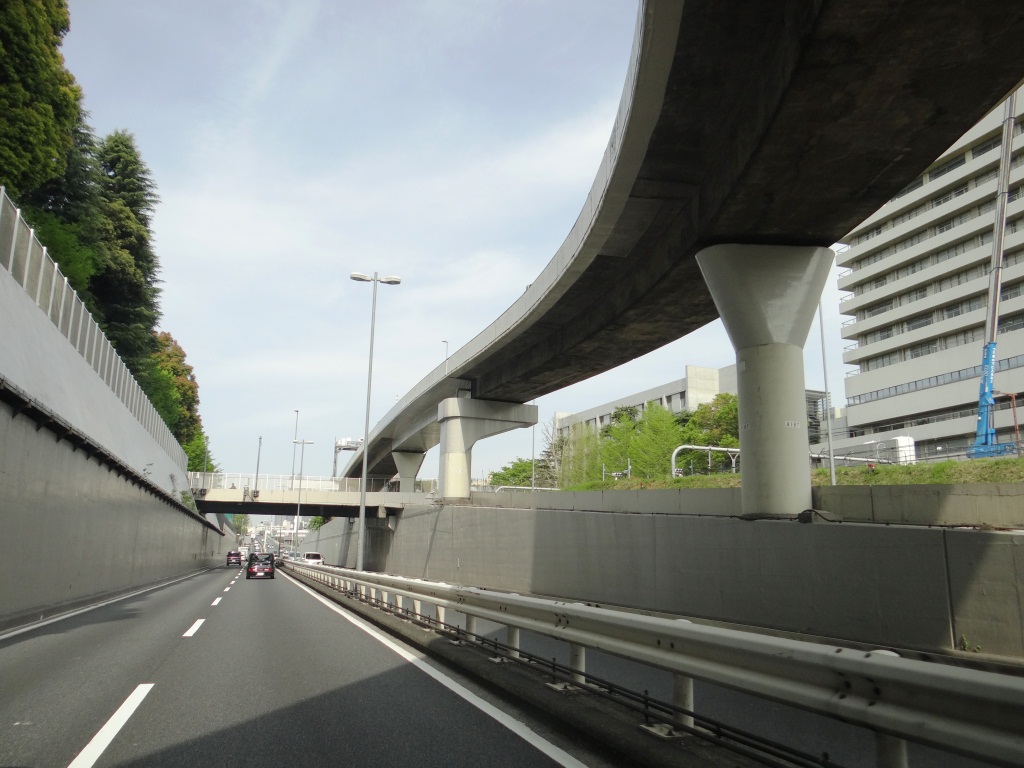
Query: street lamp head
[391, 280]
[360, 277]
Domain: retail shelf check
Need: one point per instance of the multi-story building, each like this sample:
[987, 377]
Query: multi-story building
[918, 274]
[700, 386]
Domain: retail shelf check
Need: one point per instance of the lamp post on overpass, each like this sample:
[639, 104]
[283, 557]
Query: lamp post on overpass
[387, 280]
[295, 441]
[298, 506]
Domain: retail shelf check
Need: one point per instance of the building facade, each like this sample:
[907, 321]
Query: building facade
[700, 386]
[917, 274]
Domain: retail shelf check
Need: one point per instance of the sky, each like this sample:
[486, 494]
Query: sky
[450, 143]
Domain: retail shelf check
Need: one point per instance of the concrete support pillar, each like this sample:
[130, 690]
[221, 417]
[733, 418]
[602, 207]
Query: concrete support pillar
[463, 422]
[408, 464]
[767, 296]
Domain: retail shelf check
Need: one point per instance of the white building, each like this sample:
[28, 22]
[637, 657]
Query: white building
[700, 386]
[918, 274]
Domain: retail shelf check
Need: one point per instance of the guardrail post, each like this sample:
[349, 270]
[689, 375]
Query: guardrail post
[578, 663]
[417, 607]
[890, 751]
[512, 641]
[398, 604]
[682, 697]
[440, 615]
[471, 628]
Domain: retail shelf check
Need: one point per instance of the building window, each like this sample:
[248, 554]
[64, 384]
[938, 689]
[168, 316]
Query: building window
[946, 167]
[918, 322]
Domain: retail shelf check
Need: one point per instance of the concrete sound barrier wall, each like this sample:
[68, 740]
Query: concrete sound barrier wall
[927, 589]
[91, 488]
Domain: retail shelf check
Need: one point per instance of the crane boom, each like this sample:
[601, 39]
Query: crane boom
[986, 444]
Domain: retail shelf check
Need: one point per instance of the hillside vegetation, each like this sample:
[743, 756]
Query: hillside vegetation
[937, 473]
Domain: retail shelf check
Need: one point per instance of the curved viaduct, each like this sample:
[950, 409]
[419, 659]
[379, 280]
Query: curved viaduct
[760, 124]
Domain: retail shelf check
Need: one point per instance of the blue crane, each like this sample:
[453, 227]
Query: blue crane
[986, 445]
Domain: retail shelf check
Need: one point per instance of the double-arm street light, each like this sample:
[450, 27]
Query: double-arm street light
[387, 280]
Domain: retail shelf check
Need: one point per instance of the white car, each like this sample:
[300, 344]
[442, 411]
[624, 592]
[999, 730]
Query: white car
[313, 558]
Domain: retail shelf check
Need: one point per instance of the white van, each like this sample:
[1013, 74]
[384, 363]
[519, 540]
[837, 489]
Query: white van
[313, 558]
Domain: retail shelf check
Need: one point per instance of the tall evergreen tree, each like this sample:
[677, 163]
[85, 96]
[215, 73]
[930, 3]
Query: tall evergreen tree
[126, 286]
[39, 99]
[68, 213]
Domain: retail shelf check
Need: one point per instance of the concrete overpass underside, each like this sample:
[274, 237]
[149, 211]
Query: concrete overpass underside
[783, 123]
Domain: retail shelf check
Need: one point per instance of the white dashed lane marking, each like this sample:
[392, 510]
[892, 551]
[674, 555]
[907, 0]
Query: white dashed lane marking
[194, 628]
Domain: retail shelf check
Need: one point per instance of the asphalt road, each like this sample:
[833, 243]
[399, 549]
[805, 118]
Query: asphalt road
[215, 670]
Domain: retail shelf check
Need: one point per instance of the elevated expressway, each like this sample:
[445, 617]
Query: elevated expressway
[753, 134]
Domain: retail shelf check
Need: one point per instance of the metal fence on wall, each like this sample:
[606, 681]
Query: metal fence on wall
[26, 259]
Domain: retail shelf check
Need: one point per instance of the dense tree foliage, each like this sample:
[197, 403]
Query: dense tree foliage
[240, 523]
[520, 473]
[643, 442]
[39, 99]
[126, 285]
[716, 423]
[91, 202]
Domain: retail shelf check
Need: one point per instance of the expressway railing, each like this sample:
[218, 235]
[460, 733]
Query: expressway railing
[972, 712]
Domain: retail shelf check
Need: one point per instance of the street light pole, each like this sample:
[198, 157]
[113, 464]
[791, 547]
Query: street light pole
[298, 506]
[295, 440]
[256, 485]
[445, 342]
[387, 280]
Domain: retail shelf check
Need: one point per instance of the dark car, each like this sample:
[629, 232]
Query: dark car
[261, 566]
[234, 557]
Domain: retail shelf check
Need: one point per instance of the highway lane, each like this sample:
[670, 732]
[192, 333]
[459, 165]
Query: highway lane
[270, 676]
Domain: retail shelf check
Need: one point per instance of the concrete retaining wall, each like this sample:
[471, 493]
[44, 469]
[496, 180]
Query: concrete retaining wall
[76, 531]
[90, 501]
[999, 505]
[913, 587]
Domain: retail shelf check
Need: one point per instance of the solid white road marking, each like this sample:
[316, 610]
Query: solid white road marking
[88, 608]
[523, 731]
[217, 601]
[88, 756]
[194, 628]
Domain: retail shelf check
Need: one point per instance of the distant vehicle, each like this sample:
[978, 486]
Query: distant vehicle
[234, 557]
[244, 552]
[313, 558]
[261, 566]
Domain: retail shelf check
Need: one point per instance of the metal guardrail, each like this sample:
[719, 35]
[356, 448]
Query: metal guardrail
[971, 712]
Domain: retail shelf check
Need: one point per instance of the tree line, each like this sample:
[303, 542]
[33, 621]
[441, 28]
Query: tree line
[90, 201]
[634, 441]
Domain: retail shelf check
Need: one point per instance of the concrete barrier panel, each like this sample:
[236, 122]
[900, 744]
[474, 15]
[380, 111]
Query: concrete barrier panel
[986, 576]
